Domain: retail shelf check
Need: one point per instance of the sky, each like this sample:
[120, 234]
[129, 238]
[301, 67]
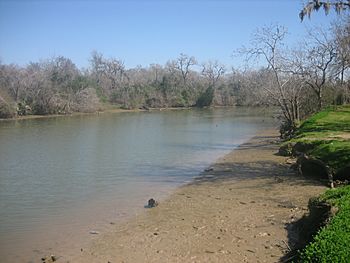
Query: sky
[142, 32]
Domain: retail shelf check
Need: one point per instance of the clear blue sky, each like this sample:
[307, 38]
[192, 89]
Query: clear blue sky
[140, 32]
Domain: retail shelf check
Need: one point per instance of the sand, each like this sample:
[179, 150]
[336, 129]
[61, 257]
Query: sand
[240, 210]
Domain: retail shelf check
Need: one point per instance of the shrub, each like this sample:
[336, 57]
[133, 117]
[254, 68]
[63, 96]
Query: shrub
[6, 110]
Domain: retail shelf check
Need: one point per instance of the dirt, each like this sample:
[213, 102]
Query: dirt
[242, 209]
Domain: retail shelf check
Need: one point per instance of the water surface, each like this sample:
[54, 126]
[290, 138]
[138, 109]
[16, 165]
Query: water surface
[61, 177]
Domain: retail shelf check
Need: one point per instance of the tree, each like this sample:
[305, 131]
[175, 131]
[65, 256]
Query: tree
[341, 37]
[212, 71]
[320, 55]
[316, 5]
[266, 44]
[183, 64]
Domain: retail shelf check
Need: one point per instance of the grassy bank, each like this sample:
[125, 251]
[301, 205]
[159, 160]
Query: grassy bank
[326, 137]
[331, 244]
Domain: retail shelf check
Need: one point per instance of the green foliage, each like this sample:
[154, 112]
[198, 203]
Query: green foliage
[331, 244]
[327, 132]
[206, 98]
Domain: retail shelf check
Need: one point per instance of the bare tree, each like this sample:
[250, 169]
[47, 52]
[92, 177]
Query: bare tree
[183, 64]
[321, 53]
[341, 31]
[267, 43]
[213, 70]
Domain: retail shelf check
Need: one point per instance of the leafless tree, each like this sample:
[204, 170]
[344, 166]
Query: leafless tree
[341, 31]
[267, 43]
[212, 71]
[184, 64]
[320, 54]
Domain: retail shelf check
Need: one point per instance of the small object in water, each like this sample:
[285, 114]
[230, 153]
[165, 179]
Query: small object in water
[210, 169]
[152, 203]
[93, 232]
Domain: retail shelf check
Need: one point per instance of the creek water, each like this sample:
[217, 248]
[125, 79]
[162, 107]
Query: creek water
[61, 178]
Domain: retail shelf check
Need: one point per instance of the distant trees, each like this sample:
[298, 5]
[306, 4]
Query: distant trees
[47, 87]
[299, 81]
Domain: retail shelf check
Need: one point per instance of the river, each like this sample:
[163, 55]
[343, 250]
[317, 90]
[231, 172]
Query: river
[63, 177]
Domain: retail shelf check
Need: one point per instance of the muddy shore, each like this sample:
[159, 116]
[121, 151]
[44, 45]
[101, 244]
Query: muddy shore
[242, 209]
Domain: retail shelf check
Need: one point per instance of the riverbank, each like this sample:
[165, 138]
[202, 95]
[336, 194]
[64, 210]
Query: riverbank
[240, 210]
[322, 148]
[107, 110]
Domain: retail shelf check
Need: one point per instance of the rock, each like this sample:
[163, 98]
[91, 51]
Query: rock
[93, 232]
[152, 203]
[286, 150]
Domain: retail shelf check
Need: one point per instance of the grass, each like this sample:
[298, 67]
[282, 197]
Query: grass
[331, 122]
[328, 133]
[332, 243]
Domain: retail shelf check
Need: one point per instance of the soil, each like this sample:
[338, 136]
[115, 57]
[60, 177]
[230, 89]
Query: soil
[242, 209]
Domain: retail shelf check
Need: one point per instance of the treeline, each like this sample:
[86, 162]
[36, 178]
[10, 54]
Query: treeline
[57, 86]
[300, 81]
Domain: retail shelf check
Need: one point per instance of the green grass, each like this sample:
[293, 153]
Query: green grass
[330, 122]
[332, 243]
[329, 134]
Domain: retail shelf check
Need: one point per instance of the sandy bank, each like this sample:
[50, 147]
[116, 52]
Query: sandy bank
[241, 211]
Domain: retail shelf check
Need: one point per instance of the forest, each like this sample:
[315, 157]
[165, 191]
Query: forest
[300, 80]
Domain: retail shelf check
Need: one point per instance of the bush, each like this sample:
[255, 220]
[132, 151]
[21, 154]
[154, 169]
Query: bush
[86, 100]
[206, 98]
[6, 110]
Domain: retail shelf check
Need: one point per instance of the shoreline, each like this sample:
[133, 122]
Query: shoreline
[242, 209]
[113, 110]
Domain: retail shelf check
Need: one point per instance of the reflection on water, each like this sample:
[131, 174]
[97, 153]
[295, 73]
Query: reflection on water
[62, 174]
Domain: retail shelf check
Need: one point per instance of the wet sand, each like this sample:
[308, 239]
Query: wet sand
[239, 210]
